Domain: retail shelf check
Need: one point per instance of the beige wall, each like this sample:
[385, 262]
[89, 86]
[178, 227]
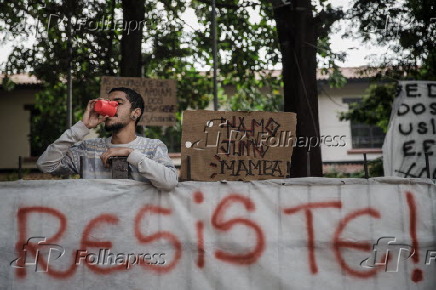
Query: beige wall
[330, 103]
[15, 122]
[14, 125]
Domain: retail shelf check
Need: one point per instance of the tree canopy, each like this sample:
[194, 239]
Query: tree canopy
[248, 51]
[407, 29]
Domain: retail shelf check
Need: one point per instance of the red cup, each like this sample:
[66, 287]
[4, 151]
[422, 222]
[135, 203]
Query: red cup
[106, 108]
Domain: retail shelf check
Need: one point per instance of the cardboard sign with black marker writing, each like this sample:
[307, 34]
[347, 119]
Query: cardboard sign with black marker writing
[237, 145]
[159, 97]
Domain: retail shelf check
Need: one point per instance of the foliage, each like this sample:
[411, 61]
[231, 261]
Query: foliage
[48, 59]
[375, 169]
[8, 84]
[246, 48]
[407, 28]
[375, 107]
[337, 174]
[252, 99]
[249, 49]
[48, 118]
[328, 60]
[248, 52]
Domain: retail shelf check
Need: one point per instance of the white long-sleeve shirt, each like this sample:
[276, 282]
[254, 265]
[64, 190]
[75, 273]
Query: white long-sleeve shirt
[148, 162]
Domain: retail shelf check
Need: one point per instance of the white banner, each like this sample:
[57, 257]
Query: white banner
[412, 132]
[308, 233]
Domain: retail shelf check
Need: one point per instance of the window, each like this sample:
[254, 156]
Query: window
[364, 135]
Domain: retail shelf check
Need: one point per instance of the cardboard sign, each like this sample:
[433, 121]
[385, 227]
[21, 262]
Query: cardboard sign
[159, 97]
[409, 149]
[219, 145]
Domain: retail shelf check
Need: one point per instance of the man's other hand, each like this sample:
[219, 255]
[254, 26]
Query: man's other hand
[90, 118]
[116, 151]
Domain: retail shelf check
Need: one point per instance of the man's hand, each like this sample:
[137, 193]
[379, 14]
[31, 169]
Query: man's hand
[90, 118]
[116, 151]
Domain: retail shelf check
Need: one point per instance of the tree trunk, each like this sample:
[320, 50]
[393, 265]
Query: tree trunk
[298, 40]
[133, 17]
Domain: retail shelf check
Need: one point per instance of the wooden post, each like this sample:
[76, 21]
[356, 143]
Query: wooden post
[288, 169]
[188, 163]
[308, 163]
[20, 167]
[82, 159]
[298, 41]
[365, 166]
[427, 165]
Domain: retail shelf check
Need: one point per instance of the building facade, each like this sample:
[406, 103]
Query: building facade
[352, 139]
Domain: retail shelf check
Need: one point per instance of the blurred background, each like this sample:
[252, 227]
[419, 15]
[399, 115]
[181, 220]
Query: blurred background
[342, 58]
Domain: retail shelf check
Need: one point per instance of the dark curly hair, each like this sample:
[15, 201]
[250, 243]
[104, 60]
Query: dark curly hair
[134, 98]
